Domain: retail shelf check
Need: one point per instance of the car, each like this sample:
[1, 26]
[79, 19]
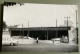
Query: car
[64, 39]
[9, 41]
[56, 40]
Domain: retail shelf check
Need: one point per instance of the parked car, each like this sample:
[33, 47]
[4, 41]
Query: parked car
[56, 40]
[9, 41]
[64, 39]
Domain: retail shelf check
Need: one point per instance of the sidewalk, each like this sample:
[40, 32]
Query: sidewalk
[26, 41]
[32, 41]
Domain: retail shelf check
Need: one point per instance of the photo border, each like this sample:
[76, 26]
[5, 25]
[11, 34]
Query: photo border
[69, 2]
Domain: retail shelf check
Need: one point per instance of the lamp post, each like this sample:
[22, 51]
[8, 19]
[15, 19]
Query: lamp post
[67, 20]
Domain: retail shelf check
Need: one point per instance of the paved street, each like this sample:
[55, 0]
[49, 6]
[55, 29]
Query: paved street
[41, 47]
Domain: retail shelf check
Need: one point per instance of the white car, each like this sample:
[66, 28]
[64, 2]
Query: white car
[9, 41]
[56, 40]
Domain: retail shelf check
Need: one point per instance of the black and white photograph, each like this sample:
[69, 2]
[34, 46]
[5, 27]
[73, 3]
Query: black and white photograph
[35, 27]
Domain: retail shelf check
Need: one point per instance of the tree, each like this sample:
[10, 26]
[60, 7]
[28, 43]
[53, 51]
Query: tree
[4, 25]
[12, 3]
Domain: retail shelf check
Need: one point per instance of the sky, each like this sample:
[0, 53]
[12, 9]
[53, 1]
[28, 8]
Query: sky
[39, 15]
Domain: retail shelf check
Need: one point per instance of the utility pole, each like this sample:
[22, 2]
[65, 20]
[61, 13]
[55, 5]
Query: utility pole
[22, 30]
[67, 26]
[76, 27]
[56, 29]
[67, 20]
[76, 19]
[56, 22]
[28, 30]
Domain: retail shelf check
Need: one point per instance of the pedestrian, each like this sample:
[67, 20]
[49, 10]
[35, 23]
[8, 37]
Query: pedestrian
[37, 40]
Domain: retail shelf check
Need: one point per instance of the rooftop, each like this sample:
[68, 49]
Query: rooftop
[42, 28]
